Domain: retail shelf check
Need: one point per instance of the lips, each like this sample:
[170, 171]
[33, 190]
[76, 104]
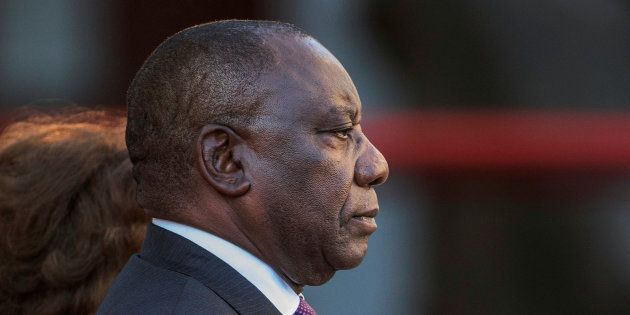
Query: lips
[363, 222]
[368, 213]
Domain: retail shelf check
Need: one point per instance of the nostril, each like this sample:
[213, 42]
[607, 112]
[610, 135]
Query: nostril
[371, 176]
[379, 180]
[381, 173]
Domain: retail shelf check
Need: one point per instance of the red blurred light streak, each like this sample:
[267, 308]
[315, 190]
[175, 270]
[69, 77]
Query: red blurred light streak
[504, 140]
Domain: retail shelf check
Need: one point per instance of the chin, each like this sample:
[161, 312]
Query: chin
[319, 279]
[350, 263]
[349, 258]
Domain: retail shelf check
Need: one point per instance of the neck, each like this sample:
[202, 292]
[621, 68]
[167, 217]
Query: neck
[218, 223]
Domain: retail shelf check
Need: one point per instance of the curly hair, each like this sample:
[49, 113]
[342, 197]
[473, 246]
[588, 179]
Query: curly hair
[68, 215]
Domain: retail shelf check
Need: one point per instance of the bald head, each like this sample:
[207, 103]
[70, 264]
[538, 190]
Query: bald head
[204, 74]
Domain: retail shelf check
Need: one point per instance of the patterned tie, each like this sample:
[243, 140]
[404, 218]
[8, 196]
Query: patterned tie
[304, 308]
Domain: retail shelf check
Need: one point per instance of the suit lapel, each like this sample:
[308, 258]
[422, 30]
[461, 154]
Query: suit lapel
[173, 252]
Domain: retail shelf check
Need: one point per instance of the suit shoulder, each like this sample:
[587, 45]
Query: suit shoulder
[195, 298]
[142, 287]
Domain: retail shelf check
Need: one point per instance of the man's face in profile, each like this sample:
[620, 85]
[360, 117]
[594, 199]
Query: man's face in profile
[314, 172]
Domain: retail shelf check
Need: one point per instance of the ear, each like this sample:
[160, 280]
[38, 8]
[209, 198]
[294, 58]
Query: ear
[219, 160]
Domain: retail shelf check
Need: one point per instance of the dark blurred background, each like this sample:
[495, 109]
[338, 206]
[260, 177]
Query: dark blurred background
[506, 125]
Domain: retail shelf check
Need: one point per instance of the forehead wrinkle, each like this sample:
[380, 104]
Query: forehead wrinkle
[343, 109]
[348, 105]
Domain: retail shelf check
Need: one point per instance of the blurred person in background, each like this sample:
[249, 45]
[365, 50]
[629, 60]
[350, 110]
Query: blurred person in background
[68, 216]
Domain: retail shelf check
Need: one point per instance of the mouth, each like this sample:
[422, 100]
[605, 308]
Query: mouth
[364, 222]
[366, 215]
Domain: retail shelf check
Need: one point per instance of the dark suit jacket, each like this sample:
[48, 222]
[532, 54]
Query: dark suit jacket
[173, 275]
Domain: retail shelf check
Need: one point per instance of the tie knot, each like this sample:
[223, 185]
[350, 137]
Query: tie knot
[304, 308]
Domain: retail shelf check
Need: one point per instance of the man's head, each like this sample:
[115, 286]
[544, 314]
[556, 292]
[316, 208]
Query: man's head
[250, 130]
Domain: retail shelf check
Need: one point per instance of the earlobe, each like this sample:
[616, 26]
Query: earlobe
[219, 161]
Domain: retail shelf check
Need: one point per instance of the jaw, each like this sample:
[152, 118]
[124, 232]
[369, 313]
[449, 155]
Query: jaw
[311, 267]
[349, 255]
[311, 278]
[320, 266]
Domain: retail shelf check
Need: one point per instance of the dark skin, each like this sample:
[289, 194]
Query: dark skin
[296, 188]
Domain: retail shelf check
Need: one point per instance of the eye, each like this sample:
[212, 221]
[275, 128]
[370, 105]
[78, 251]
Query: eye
[343, 133]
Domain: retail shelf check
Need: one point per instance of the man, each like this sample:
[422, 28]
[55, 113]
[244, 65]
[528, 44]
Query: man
[248, 152]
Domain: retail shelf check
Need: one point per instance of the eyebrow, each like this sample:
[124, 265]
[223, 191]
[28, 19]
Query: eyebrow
[345, 107]
[345, 110]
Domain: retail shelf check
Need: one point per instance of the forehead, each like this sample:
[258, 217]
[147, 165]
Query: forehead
[308, 82]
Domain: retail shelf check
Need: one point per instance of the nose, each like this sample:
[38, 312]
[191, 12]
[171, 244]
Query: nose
[371, 168]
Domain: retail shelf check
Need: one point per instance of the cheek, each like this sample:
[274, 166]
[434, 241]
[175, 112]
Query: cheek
[312, 183]
[304, 176]
[325, 175]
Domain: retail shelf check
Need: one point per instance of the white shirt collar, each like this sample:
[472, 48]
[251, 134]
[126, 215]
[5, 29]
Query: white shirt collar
[261, 275]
